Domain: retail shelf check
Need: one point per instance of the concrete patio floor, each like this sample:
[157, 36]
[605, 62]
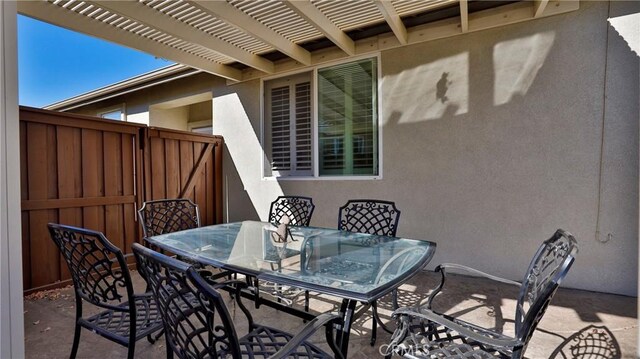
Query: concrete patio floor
[594, 324]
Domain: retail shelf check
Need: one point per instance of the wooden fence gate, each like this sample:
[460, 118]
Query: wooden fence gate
[95, 173]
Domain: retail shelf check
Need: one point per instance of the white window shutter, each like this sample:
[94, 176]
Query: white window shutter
[280, 129]
[303, 148]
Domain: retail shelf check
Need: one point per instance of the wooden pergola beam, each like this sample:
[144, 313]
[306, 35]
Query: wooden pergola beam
[464, 15]
[144, 14]
[538, 7]
[393, 19]
[62, 17]
[310, 13]
[236, 17]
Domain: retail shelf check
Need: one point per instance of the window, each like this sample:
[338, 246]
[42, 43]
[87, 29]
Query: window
[288, 129]
[204, 127]
[113, 114]
[345, 135]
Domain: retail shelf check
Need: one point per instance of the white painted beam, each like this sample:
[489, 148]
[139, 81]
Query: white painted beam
[309, 12]
[144, 14]
[236, 17]
[539, 6]
[464, 15]
[59, 16]
[393, 19]
[11, 296]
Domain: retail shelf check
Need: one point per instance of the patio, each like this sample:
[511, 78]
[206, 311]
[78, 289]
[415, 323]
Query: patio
[577, 322]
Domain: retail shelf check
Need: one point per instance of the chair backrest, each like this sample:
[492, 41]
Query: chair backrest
[168, 215]
[548, 268]
[98, 268]
[297, 208]
[196, 321]
[369, 216]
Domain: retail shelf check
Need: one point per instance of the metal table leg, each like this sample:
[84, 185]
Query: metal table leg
[347, 310]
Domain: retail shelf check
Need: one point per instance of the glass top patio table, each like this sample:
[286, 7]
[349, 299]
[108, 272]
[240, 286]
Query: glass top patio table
[349, 265]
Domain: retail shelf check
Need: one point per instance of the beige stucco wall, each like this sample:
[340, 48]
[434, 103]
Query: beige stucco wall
[491, 141]
[491, 161]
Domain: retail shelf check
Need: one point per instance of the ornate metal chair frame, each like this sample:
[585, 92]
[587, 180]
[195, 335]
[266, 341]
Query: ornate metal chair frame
[372, 216]
[426, 334]
[171, 215]
[168, 215]
[299, 209]
[99, 270]
[198, 324]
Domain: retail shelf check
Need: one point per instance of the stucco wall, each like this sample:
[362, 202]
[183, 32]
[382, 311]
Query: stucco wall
[491, 141]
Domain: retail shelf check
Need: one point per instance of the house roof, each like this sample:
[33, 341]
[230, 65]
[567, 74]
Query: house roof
[135, 83]
[244, 39]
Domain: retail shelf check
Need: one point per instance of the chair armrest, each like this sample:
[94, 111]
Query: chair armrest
[462, 330]
[323, 320]
[444, 266]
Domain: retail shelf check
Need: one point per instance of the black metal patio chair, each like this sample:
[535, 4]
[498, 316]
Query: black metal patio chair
[198, 324]
[290, 211]
[423, 333]
[101, 277]
[297, 208]
[371, 216]
[172, 215]
[168, 215]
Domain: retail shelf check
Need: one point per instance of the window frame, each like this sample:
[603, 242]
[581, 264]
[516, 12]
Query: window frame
[120, 107]
[191, 126]
[315, 121]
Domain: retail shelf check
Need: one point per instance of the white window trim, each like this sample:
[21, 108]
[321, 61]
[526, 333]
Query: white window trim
[314, 118]
[199, 124]
[121, 107]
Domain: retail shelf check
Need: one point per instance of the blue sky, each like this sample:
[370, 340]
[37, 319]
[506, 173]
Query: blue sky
[56, 63]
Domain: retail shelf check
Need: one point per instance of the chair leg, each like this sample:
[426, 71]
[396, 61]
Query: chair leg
[154, 338]
[76, 334]
[132, 350]
[132, 333]
[306, 301]
[76, 341]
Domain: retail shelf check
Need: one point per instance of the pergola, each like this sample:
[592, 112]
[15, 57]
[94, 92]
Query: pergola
[244, 39]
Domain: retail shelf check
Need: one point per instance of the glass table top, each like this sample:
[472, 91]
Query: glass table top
[349, 265]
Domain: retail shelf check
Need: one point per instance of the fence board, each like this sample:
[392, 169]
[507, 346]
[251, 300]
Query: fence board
[24, 193]
[69, 180]
[112, 187]
[95, 173]
[172, 162]
[91, 176]
[186, 166]
[157, 162]
[129, 219]
[43, 253]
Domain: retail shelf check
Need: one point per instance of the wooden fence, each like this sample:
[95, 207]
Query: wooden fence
[95, 173]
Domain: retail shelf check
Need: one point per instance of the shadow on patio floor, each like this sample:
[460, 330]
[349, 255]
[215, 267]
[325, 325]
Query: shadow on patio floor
[578, 324]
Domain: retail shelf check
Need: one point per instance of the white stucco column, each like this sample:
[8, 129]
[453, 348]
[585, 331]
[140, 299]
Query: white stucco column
[11, 305]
